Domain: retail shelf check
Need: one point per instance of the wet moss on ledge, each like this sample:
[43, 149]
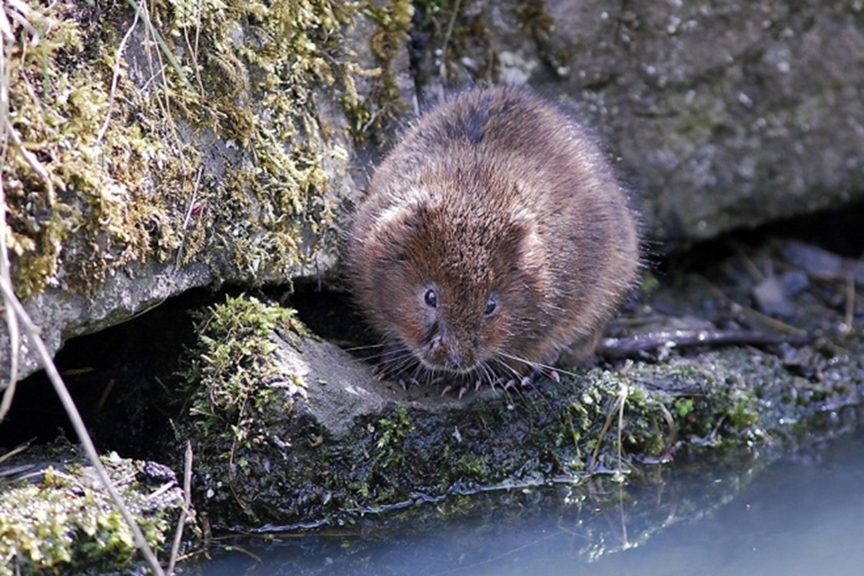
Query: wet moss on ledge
[279, 462]
[239, 391]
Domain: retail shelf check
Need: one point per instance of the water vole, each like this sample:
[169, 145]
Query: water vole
[494, 237]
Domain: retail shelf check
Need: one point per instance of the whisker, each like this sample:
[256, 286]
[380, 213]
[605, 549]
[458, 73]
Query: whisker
[548, 370]
[364, 347]
[398, 363]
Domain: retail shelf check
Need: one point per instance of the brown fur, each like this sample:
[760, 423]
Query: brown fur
[495, 193]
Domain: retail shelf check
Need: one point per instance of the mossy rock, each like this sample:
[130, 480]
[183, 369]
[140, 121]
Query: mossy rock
[58, 518]
[154, 151]
[311, 436]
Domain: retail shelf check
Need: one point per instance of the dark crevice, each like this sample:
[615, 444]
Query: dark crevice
[123, 379]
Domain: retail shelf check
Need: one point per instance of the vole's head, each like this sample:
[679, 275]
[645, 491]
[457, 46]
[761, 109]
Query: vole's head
[457, 286]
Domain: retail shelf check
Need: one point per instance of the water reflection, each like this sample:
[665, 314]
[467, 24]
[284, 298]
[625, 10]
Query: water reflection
[803, 514]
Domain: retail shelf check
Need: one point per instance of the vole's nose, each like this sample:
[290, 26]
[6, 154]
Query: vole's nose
[443, 351]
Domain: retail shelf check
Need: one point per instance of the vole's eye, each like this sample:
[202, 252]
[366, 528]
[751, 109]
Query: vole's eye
[431, 298]
[491, 305]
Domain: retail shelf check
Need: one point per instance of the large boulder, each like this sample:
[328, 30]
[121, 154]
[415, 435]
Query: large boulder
[152, 152]
[724, 115]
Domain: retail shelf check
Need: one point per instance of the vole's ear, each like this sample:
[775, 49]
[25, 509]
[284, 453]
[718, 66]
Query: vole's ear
[396, 228]
[520, 241]
[523, 254]
[408, 213]
[399, 223]
[408, 217]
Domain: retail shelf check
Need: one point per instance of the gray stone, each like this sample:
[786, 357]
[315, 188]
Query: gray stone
[60, 314]
[771, 298]
[724, 115]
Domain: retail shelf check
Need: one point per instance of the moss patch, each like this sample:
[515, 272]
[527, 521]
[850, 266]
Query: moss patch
[67, 523]
[239, 390]
[81, 157]
[185, 131]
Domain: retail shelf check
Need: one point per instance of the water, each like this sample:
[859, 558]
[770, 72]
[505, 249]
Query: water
[802, 514]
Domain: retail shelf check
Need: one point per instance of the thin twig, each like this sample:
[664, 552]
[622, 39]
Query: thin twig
[164, 47]
[9, 133]
[600, 436]
[11, 319]
[31, 159]
[443, 68]
[670, 422]
[849, 319]
[184, 512]
[193, 50]
[782, 326]
[628, 346]
[115, 76]
[622, 401]
[32, 332]
[17, 450]
[190, 208]
[749, 266]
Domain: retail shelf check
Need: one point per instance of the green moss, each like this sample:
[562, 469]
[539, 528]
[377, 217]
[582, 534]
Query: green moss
[376, 114]
[260, 65]
[393, 430]
[67, 522]
[120, 136]
[94, 157]
[475, 466]
[239, 391]
[231, 377]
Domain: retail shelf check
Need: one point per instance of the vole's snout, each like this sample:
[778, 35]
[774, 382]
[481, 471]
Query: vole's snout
[443, 352]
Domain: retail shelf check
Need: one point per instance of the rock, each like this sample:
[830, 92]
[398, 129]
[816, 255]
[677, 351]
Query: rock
[61, 314]
[229, 162]
[771, 298]
[794, 282]
[724, 115]
[822, 263]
